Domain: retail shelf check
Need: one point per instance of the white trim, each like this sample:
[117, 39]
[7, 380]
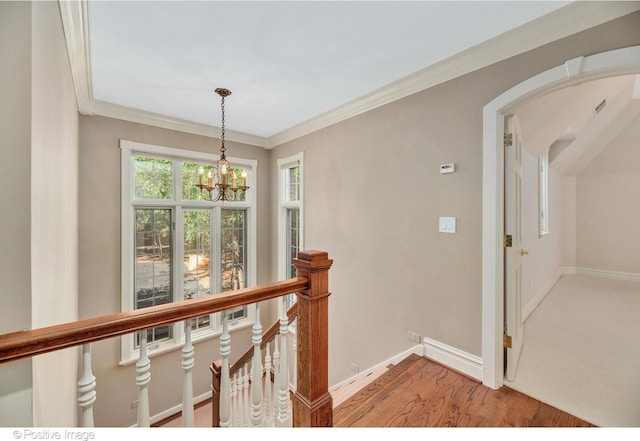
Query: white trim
[282, 165]
[617, 62]
[418, 350]
[124, 113]
[454, 358]
[568, 20]
[572, 270]
[75, 22]
[127, 241]
[184, 154]
[607, 274]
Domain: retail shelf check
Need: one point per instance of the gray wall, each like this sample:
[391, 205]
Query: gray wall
[393, 271]
[99, 268]
[15, 192]
[38, 173]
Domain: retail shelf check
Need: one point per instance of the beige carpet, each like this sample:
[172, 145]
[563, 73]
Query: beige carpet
[581, 351]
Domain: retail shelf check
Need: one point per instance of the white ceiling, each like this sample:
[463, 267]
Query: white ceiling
[293, 67]
[285, 62]
[567, 122]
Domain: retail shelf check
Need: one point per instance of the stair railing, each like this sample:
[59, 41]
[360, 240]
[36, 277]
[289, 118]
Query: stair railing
[312, 404]
[270, 374]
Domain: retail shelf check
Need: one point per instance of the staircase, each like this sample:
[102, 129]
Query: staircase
[418, 392]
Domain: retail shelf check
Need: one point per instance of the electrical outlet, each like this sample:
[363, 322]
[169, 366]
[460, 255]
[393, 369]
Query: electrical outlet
[413, 336]
[354, 367]
[134, 404]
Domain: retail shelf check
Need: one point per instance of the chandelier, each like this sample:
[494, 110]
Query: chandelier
[221, 182]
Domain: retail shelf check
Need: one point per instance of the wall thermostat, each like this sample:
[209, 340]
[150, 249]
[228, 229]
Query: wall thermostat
[447, 168]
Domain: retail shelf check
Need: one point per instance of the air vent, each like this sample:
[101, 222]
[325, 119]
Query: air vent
[599, 107]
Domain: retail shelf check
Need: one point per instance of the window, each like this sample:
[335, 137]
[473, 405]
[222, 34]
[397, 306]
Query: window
[176, 245]
[543, 192]
[290, 218]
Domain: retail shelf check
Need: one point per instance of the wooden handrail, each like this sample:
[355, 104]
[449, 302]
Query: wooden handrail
[23, 344]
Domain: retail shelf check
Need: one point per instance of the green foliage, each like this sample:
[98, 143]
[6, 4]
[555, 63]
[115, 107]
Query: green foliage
[197, 229]
[153, 178]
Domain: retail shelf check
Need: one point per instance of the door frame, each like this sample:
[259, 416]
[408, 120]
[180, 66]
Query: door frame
[625, 61]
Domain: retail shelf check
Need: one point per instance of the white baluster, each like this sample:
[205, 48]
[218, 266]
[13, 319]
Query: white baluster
[283, 420]
[294, 354]
[234, 398]
[187, 388]
[276, 380]
[268, 407]
[225, 396]
[86, 389]
[256, 372]
[245, 397]
[239, 409]
[143, 377]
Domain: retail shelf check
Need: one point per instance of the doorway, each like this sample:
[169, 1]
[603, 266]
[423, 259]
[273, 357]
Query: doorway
[573, 72]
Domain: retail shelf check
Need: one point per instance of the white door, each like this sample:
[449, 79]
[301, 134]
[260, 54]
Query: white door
[513, 254]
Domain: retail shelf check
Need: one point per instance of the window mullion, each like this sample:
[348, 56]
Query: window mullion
[215, 258]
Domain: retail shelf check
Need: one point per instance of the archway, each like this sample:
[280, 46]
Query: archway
[617, 62]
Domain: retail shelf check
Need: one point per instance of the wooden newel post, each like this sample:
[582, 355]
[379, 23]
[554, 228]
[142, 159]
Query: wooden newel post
[216, 370]
[312, 403]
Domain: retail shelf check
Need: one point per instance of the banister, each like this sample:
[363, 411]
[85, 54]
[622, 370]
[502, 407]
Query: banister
[266, 337]
[23, 344]
[216, 366]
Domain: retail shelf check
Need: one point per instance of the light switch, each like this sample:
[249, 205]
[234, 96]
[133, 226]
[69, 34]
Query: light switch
[447, 224]
[447, 168]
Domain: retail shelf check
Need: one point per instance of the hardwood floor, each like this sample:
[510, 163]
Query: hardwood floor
[418, 392]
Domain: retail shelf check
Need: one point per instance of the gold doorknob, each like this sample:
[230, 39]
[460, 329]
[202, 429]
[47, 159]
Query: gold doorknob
[523, 252]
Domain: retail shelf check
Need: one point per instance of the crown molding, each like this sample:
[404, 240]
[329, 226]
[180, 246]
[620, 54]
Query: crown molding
[130, 114]
[75, 24]
[568, 20]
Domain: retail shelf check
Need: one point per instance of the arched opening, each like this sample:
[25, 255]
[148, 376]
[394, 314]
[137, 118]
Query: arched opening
[576, 71]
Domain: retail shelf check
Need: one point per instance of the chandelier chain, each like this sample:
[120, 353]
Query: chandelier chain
[223, 148]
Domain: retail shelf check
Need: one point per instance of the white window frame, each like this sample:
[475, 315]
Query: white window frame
[131, 149]
[284, 164]
[543, 194]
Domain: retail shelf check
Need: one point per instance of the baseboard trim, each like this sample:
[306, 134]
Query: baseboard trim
[542, 293]
[463, 362]
[607, 274]
[572, 270]
[418, 350]
[176, 411]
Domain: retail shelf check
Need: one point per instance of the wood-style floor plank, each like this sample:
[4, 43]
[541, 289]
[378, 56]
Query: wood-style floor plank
[421, 393]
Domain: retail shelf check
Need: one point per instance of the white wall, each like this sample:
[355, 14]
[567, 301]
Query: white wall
[542, 266]
[54, 214]
[608, 212]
